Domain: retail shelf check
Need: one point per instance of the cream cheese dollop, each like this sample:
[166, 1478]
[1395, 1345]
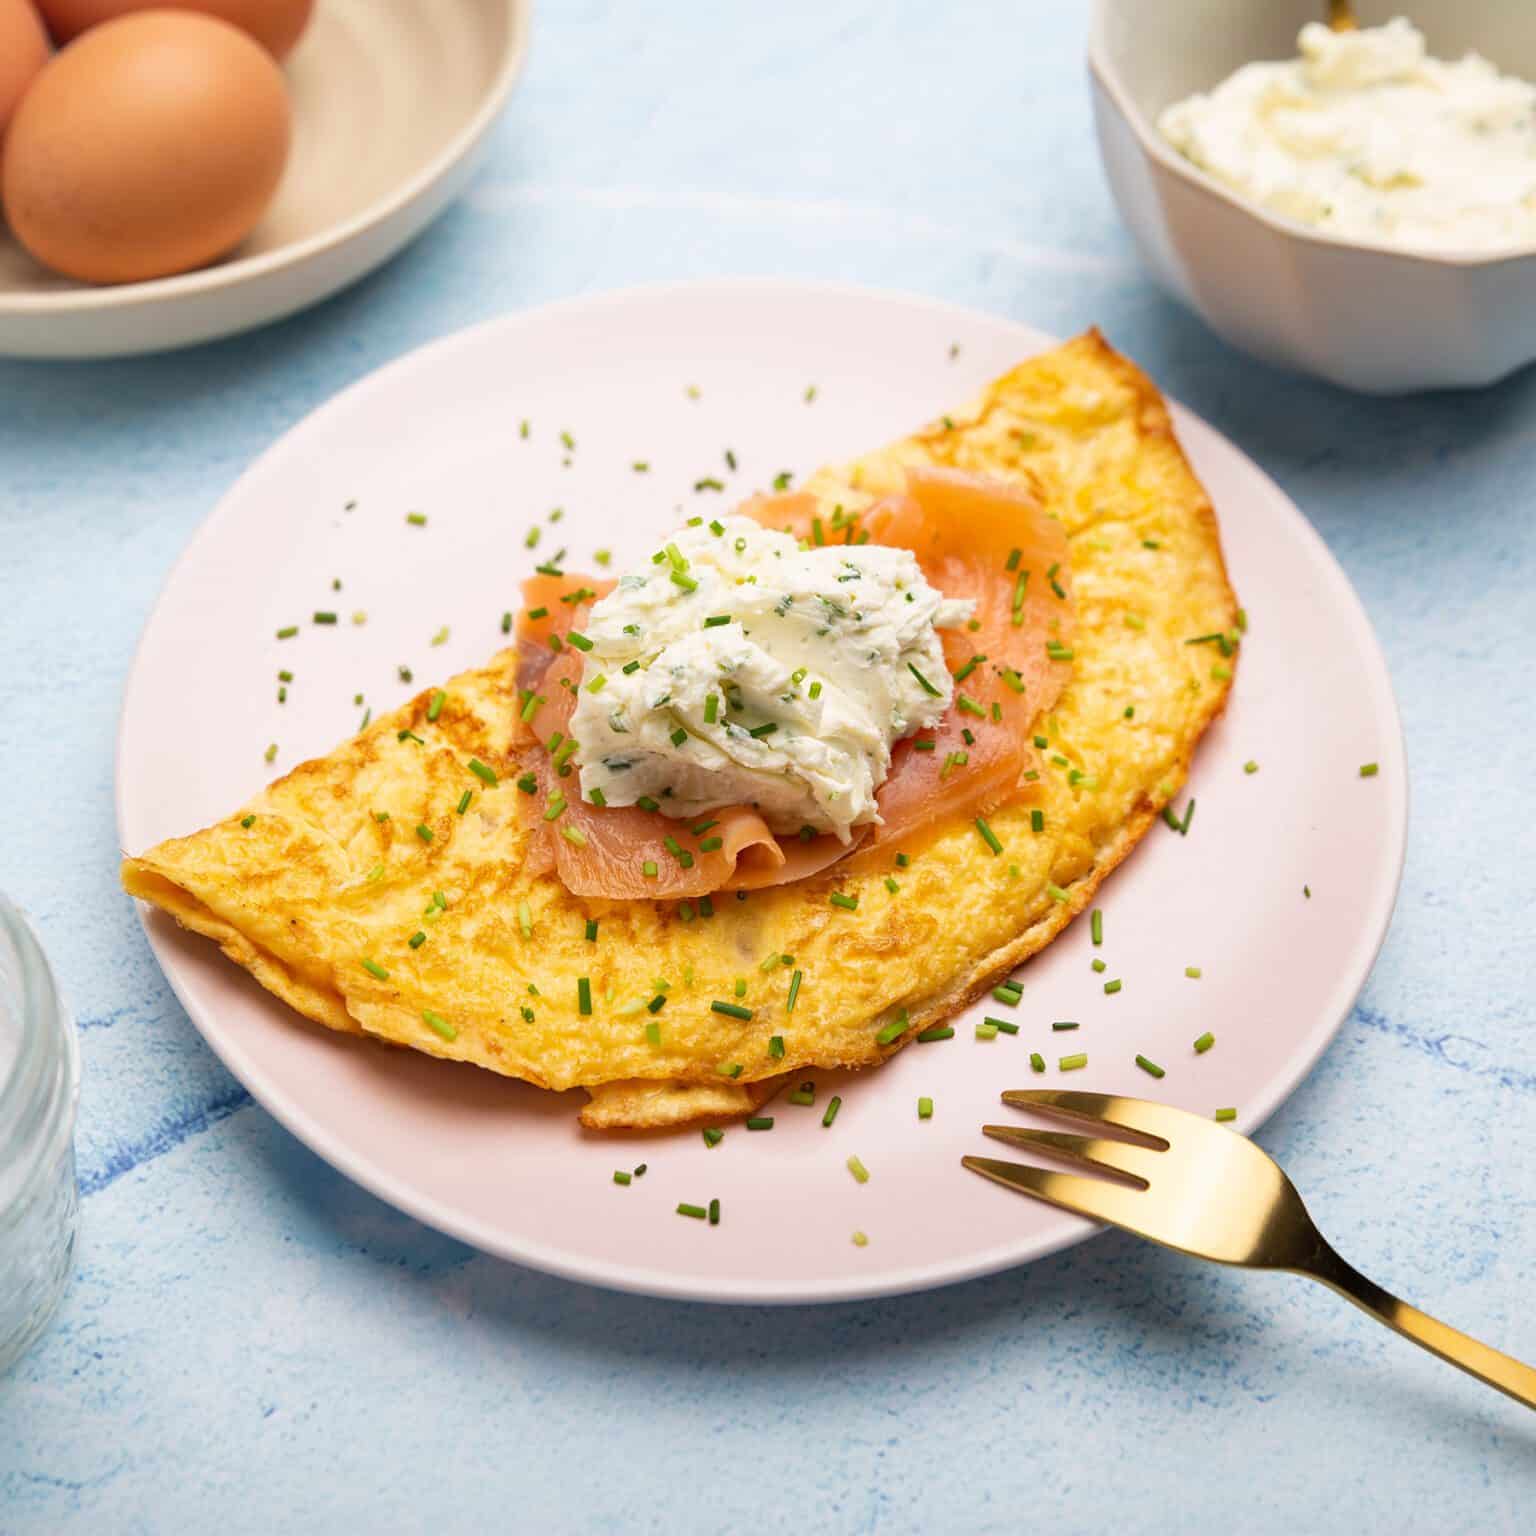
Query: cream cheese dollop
[1367, 136]
[736, 667]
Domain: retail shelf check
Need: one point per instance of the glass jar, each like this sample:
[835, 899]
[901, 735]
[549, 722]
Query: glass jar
[39, 1088]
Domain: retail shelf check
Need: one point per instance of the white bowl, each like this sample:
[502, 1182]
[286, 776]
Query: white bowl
[1368, 317]
[391, 100]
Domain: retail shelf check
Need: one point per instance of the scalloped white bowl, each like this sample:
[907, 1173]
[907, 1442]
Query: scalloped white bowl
[1367, 317]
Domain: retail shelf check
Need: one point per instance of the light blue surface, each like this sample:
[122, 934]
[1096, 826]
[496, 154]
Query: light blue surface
[251, 1344]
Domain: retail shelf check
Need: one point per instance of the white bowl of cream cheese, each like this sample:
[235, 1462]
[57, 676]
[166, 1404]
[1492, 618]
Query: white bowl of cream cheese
[1360, 207]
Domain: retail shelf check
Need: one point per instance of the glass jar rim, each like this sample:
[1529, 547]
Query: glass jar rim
[38, 1096]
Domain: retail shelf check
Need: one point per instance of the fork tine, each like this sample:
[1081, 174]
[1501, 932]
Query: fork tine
[1096, 1199]
[1151, 1124]
[1118, 1157]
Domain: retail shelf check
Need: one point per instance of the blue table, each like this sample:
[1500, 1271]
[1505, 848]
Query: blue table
[252, 1344]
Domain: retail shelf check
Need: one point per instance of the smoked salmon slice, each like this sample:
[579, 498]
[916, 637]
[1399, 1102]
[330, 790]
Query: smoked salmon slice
[974, 538]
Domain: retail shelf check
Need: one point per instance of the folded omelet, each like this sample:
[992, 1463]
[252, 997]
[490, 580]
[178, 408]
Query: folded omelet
[364, 890]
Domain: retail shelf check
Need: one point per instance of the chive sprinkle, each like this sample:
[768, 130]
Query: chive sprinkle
[713, 1135]
[1112, 987]
[696, 1211]
[439, 1025]
[1226, 1114]
[1151, 1068]
[923, 682]
[988, 836]
[1369, 770]
[1072, 1063]
[925, 1109]
[776, 1047]
[858, 1170]
[1037, 820]
[986, 1032]
[1008, 992]
[620, 1177]
[482, 772]
[804, 1095]
[891, 1030]
[464, 800]
[1006, 1026]
[731, 1010]
[287, 632]
[1193, 972]
[375, 969]
[714, 1213]
[729, 1069]
[1060, 1024]
[648, 869]
[424, 832]
[325, 618]
[847, 903]
[833, 1105]
[248, 821]
[1036, 1062]
[1204, 1043]
[760, 1122]
[794, 992]
[1055, 892]
[1099, 967]
[937, 1032]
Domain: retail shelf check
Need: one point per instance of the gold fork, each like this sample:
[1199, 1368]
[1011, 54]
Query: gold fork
[1191, 1185]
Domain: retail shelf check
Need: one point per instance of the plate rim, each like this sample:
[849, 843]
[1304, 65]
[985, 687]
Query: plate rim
[161, 930]
[202, 281]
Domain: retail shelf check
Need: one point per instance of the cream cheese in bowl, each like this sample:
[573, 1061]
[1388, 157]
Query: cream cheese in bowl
[1368, 137]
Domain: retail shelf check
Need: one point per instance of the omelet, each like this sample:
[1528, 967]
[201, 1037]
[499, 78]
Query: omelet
[394, 888]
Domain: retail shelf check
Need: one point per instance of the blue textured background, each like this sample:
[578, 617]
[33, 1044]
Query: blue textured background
[251, 1344]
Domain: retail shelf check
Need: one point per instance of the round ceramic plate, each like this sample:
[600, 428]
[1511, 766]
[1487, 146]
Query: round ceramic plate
[365, 176]
[674, 377]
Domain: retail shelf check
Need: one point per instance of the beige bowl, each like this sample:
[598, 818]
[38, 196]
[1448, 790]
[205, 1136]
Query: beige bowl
[391, 101]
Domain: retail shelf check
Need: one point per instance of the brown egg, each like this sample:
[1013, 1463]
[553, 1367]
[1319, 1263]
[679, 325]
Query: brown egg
[23, 52]
[275, 24]
[150, 145]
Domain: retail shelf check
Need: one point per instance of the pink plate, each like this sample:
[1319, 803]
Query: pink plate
[673, 377]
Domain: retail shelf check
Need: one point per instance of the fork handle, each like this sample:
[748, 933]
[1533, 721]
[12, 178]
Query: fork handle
[1497, 1369]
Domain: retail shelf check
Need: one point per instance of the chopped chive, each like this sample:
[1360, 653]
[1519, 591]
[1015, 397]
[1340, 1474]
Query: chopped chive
[557, 803]
[325, 618]
[937, 1032]
[804, 1095]
[287, 632]
[968, 706]
[248, 821]
[834, 1104]
[647, 804]
[1189, 816]
[794, 992]
[375, 969]
[700, 828]
[1008, 992]
[524, 920]
[648, 869]
[758, 732]
[1204, 1043]
[620, 1177]
[729, 1069]
[903, 860]
[988, 836]
[464, 800]
[1369, 770]
[924, 746]
[847, 903]
[740, 986]
[1058, 652]
[1226, 1114]
[598, 798]
[923, 682]
[439, 1025]
[679, 736]
[776, 1047]
[713, 1135]
[1135, 621]
[891, 885]
[1036, 1062]
[685, 581]
[1072, 1063]
[574, 835]
[1096, 925]
[986, 1032]
[584, 994]
[696, 1211]
[925, 1109]
[760, 1122]
[714, 1213]
[424, 832]
[417, 939]
[1151, 1068]
[653, 1032]
[1193, 972]
[528, 784]
[1037, 820]
[858, 1170]
[1060, 1024]
[482, 772]
[710, 844]
[1015, 682]
[717, 620]
[1099, 967]
[731, 1010]
[1055, 892]
[814, 690]
[1014, 556]
[1007, 1026]
[270, 755]
[891, 1030]
[1111, 987]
